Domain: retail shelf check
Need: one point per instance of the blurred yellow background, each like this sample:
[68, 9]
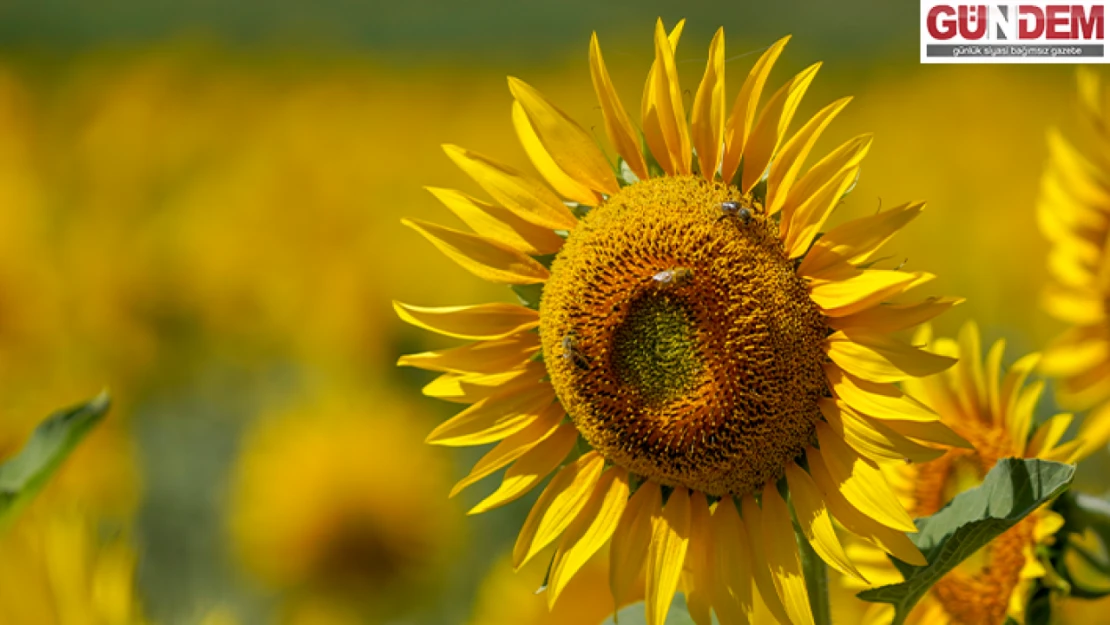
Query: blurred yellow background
[200, 209]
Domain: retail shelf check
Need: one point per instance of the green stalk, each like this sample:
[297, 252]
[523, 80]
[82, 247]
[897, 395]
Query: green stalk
[817, 580]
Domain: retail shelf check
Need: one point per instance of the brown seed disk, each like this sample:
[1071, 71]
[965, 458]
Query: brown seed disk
[681, 341]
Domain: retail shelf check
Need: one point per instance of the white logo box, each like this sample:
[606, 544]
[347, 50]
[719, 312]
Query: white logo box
[1025, 32]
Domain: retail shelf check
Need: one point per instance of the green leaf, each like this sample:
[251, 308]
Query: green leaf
[1013, 489]
[634, 614]
[23, 476]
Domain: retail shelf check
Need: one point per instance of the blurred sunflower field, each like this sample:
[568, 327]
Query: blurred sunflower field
[200, 211]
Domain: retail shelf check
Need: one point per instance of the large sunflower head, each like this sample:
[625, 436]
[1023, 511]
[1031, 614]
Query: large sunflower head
[1074, 215]
[991, 407]
[686, 349]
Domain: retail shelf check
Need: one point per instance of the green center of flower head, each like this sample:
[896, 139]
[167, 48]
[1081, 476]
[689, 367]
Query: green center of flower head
[680, 340]
[655, 349]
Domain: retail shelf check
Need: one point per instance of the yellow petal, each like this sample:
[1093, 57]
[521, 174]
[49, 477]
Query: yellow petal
[698, 574]
[617, 123]
[781, 551]
[732, 565]
[589, 531]
[761, 566]
[887, 317]
[492, 356]
[738, 127]
[857, 241]
[525, 197]
[1092, 436]
[563, 184]
[1068, 267]
[1048, 434]
[513, 447]
[825, 172]
[1081, 177]
[1075, 351]
[934, 432]
[937, 391]
[889, 540]
[860, 481]
[881, 358]
[1021, 417]
[560, 502]
[1071, 306]
[698, 605]
[809, 216]
[816, 521]
[874, 399]
[571, 147]
[708, 117]
[847, 155]
[494, 418]
[630, 542]
[1086, 389]
[1015, 381]
[772, 126]
[482, 321]
[993, 373]
[649, 115]
[670, 536]
[498, 223]
[971, 390]
[1063, 220]
[872, 438]
[785, 167]
[485, 258]
[866, 289]
[531, 468]
[468, 388]
[664, 116]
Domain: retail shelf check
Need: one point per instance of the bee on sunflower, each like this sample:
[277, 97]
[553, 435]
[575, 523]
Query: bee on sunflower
[687, 420]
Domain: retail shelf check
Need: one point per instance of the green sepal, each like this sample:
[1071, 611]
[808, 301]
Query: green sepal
[579, 211]
[759, 192]
[529, 294]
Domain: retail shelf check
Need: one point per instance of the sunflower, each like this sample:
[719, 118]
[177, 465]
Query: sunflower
[993, 410]
[316, 510]
[1074, 215]
[688, 351]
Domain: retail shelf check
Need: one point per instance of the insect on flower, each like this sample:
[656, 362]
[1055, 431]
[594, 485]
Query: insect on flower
[570, 352]
[675, 276]
[735, 209]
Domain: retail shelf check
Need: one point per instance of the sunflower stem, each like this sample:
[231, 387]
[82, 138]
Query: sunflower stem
[817, 580]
